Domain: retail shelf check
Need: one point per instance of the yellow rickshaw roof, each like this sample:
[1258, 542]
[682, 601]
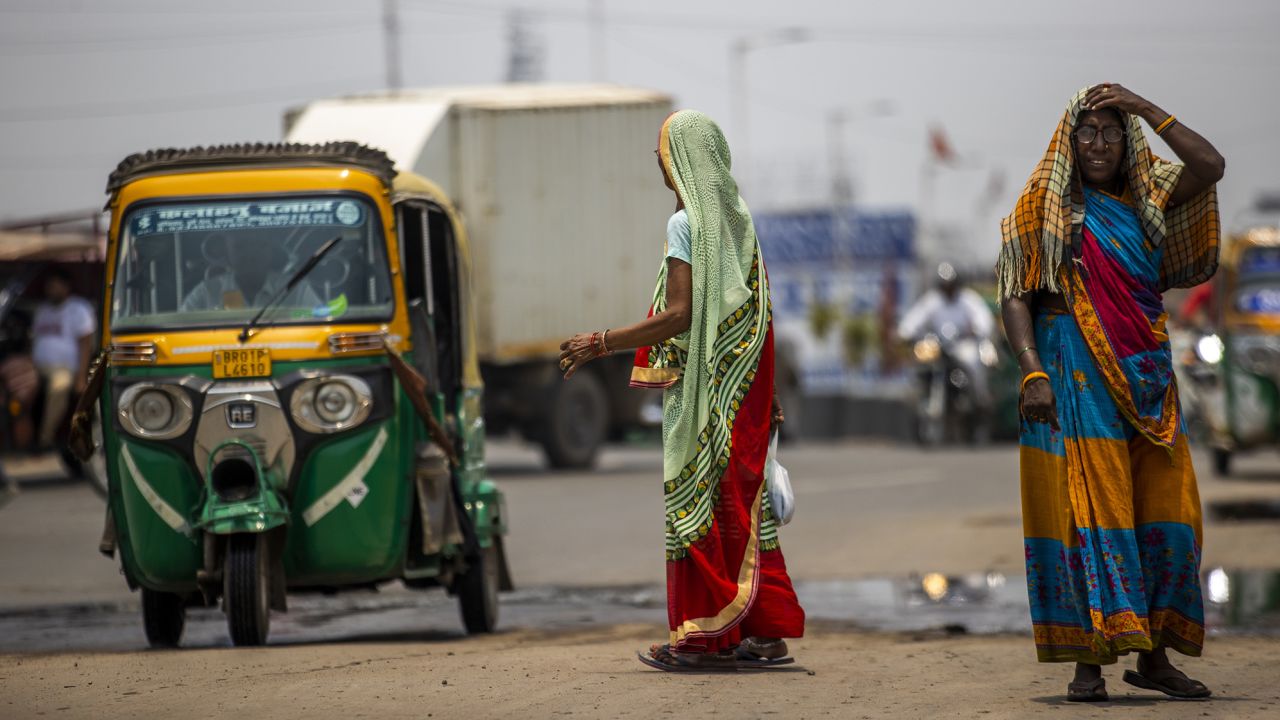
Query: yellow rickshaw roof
[234, 157]
[412, 186]
[1237, 243]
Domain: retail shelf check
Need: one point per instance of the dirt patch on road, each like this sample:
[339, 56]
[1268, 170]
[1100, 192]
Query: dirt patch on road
[841, 673]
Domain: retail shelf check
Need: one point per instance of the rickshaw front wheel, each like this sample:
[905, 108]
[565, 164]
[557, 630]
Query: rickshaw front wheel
[478, 592]
[164, 615]
[246, 594]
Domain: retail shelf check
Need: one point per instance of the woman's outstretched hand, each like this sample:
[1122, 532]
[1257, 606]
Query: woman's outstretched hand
[1039, 405]
[576, 352]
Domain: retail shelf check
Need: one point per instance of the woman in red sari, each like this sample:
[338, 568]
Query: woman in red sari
[708, 343]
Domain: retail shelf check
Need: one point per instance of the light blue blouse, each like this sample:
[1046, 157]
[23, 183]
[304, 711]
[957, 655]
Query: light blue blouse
[679, 242]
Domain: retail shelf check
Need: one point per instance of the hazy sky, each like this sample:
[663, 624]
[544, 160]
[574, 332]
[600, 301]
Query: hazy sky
[86, 82]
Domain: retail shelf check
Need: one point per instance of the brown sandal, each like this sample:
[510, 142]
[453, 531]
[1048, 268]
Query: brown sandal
[662, 657]
[754, 653]
[1178, 686]
[1087, 691]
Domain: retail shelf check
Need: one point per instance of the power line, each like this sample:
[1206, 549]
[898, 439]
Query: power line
[1033, 34]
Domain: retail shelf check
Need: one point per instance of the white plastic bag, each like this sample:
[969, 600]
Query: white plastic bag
[778, 483]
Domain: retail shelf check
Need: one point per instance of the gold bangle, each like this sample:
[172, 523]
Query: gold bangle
[1025, 350]
[1034, 376]
[1168, 123]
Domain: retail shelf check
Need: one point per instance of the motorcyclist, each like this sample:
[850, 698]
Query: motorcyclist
[958, 315]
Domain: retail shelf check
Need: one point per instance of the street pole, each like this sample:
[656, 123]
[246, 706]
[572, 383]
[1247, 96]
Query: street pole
[738, 103]
[738, 99]
[391, 42]
[841, 181]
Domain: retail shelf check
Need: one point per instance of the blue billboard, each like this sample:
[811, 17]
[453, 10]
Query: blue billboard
[825, 236]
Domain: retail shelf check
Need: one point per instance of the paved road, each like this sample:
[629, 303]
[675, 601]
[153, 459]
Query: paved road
[864, 510]
[586, 551]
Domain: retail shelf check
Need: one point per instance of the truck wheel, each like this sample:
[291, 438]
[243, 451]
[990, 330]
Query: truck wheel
[478, 592]
[246, 595]
[1222, 462]
[576, 423]
[164, 615]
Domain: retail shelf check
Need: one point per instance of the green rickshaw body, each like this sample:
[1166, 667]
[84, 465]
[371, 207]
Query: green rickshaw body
[1248, 295]
[300, 430]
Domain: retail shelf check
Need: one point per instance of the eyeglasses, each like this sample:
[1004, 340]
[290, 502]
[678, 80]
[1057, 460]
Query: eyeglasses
[1110, 134]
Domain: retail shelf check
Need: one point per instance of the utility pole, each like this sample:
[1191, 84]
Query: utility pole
[841, 181]
[739, 105]
[524, 51]
[599, 44]
[391, 41]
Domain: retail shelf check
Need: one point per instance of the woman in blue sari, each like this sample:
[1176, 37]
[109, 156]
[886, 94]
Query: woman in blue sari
[1111, 513]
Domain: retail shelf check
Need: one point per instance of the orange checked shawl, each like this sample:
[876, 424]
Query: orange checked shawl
[1045, 223]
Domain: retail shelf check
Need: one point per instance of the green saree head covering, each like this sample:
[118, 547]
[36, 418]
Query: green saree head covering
[707, 371]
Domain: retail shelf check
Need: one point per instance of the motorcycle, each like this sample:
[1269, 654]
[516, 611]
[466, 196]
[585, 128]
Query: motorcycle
[947, 407]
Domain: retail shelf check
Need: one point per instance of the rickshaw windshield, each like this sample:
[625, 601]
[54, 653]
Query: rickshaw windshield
[1258, 286]
[217, 263]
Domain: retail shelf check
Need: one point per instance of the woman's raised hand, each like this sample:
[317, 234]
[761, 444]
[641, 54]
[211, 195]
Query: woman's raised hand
[1107, 95]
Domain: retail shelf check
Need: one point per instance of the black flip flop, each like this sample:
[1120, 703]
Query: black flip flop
[1198, 690]
[749, 660]
[679, 663]
[1087, 691]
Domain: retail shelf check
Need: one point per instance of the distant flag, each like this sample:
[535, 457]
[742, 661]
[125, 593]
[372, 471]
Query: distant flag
[941, 147]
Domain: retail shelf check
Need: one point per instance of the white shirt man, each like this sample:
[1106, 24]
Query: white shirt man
[965, 311]
[62, 330]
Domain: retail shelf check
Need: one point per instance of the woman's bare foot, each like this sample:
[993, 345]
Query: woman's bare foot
[1087, 673]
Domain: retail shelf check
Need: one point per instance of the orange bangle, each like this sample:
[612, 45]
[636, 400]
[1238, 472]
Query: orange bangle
[1034, 376]
[1168, 123]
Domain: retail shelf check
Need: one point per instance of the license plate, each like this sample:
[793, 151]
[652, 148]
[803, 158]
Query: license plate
[253, 362]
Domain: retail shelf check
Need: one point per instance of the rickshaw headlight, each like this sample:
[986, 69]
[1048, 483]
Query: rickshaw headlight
[1209, 349]
[335, 402]
[155, 412]
[331, 404]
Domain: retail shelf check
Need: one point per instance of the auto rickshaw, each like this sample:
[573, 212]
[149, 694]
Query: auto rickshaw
[1247, 347]
[290, 385]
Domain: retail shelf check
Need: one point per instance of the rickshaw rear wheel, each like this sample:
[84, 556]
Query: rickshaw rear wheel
[478, 592]
[164, 615]
[246, 589]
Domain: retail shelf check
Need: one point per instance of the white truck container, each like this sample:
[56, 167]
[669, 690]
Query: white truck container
[566, 212]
